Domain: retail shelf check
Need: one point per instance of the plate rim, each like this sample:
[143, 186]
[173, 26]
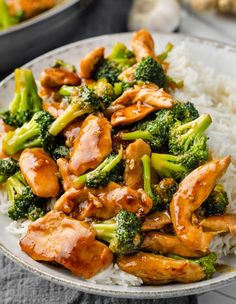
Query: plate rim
[108, 290]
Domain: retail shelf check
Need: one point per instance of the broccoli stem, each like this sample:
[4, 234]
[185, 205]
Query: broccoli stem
[194, 128]
[166, 164]
[26, 95]
[146, 135]
[106, 166]
[164, 55]
[105, 231]
[17, 140]
[65, 118]
[67, 90]
[146, 161]
[15, 185]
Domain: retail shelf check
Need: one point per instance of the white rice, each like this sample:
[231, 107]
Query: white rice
[114, 276]
[211, 93]
[214, 94]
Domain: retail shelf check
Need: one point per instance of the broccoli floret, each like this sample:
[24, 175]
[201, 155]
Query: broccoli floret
[216, 203]
[8, 167]
[150, 71]
[26, 101]
[104, 90]
[162, 57]
[164, 192]
[184, 111]
[207, 263]
[82, 101]
[60, 152]
[160, 194]
[123, 233]
[32, 134]
[110, 67]
[154, 131]
[168, 165]
[7, 20]
[183, 137]
[117, 173]
[101, 175]
[123, 57]
[35, 212]
[24, 204]
[120, 87]
[107, 69]
[62, 64]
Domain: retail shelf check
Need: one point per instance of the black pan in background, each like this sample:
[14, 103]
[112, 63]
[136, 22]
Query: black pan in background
[40, 34]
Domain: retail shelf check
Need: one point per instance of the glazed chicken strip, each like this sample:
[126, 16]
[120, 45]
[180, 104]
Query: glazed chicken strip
[88, 63]
[54, 108]
[30, 8]
[156, 221]
[131, 114]
[128, 74]
[144, 100]
[193, 191]
[103, 203]
[220, 223]
[40, 172]
[133, 175]
[91, 146]
[148, 94]
[56, 77]
[167, 244]
[142, 45]
[71, 132]
[156, 269]
[59, 238]
[67, 177]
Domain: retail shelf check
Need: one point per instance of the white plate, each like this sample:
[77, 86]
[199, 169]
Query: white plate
[223, 59]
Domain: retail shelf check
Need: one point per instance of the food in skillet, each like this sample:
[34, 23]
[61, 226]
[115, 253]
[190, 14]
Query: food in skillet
[128, 165]
[13, 12]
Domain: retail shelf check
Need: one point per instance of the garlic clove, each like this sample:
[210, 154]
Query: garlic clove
[155, 15]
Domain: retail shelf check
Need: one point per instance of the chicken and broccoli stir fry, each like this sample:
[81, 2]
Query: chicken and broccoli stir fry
[13, 12]
[128, 165]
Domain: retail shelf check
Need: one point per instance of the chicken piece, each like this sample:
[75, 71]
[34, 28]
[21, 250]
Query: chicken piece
[156, 269]
[88, 63]
[133, 175]
[128, 74]
[148, 94]
[30, 8]
[67, 177]
[220, 223]
[40, 172]
[166, 243]
[54, 108]
[156, 221]
[144, 100]
[142, 45]
[4, 128]
[56, 77]
[103, 203]
[71, 132]
[59, 238]
[130, 114]
[193, 191]
[91, 146]
[49, 95]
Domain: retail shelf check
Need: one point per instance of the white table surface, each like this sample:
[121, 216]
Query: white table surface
[222, 29]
